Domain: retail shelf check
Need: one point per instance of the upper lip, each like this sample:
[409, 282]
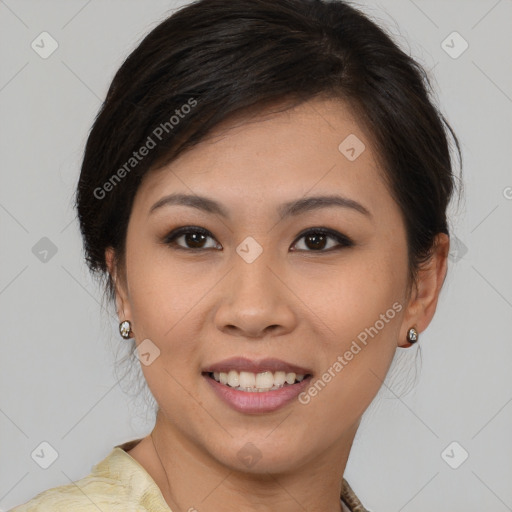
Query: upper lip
[256, 366]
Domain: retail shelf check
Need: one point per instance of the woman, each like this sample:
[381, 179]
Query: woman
[264, 191]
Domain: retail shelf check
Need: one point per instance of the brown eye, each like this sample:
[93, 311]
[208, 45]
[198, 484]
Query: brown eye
[317, 240]
[194, 240]
[191, 238]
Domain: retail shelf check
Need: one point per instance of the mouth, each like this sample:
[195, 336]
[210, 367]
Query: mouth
[261, 397]
[261, 382]
[256, 387]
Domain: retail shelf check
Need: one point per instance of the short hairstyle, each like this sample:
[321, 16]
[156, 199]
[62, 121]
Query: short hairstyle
[214, 59]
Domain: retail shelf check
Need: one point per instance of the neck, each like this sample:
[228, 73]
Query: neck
[191, 479]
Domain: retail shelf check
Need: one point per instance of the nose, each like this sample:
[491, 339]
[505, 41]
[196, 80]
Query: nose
[255, 301]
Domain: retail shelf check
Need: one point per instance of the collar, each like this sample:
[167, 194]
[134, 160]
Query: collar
[142, 488]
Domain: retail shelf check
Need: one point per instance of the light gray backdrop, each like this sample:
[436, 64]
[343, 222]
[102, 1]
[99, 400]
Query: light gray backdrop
[443, 444]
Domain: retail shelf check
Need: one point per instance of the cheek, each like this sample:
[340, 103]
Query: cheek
[361, 306]
[162, 291]
[363, 311]
[364, 288]
[164, 302]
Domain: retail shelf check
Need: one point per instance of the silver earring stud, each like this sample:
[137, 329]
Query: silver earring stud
[125, 329]
[412, 335]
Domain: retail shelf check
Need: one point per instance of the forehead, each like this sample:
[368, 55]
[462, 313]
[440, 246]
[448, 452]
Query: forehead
[315, 148]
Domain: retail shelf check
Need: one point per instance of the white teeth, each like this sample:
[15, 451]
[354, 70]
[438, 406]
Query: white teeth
[279, 378]
[290, 378]
[233, 379]
[264, 380]
[258, 382]
[246, 380]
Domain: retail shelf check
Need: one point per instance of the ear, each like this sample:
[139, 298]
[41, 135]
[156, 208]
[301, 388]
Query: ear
[122, 302]
[424, 296]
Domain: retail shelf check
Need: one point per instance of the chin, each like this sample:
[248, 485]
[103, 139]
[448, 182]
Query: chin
[260, 458]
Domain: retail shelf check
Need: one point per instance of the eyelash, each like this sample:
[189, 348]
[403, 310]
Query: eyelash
[343, 240]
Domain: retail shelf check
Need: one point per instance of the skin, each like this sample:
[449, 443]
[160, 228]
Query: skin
[205, 306]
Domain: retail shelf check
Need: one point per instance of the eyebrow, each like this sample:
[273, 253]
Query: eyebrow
[285, 210]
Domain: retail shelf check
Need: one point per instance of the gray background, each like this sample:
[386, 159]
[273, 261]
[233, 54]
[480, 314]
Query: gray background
[59, 344]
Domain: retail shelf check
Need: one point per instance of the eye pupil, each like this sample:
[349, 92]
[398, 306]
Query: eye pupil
[192, 239]
[318, 241]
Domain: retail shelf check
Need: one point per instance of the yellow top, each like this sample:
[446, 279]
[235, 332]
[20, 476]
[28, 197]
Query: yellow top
[120, 484]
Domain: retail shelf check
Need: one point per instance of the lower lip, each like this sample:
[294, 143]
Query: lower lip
[257, 402]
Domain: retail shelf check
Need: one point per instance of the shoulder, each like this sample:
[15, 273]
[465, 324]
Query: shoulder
[86, 495]
[109, 488]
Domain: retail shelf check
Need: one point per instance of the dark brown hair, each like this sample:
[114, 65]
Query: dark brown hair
[214, 59]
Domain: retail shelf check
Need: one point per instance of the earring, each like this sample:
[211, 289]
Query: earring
[412, 335]
[125, 328]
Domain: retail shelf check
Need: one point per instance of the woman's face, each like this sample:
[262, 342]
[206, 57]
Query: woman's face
[252, 283]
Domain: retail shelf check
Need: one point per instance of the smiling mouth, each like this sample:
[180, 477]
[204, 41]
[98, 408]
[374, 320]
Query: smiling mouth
[256, 382]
